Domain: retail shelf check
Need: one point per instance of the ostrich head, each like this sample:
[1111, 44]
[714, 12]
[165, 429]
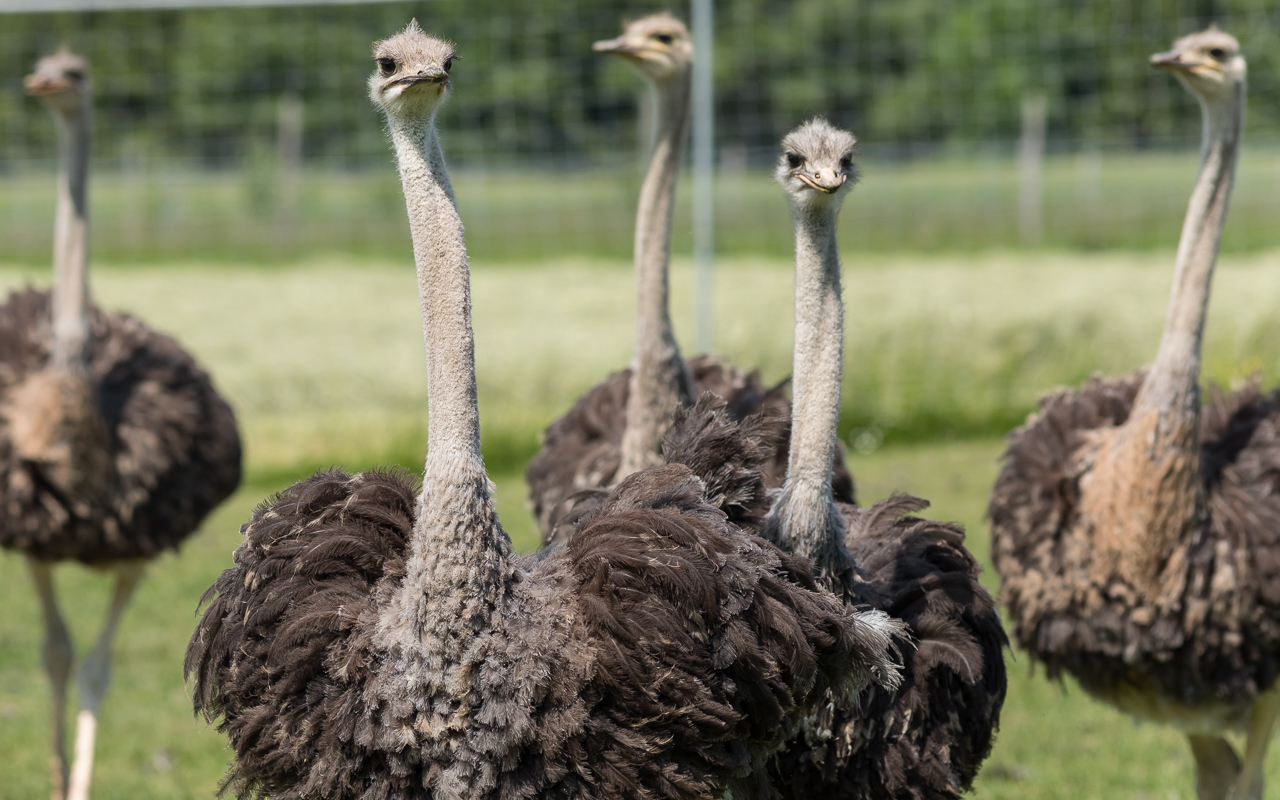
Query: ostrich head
[411, 78]
[816, 168]
[1208, 63]
[61, 81]
[657, 45]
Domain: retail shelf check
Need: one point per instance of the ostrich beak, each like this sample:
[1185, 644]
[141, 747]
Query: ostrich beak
[1173, 61]
[619, 46]
[38, 85]
[431, 74]
[823, 186]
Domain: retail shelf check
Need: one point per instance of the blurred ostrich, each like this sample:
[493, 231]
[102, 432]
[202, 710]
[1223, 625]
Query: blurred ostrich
[377, 642]
[618, 427]
[1137, 535]
[927, 737]
[114, 444]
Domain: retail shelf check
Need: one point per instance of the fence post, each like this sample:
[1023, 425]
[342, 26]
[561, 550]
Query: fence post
[704, 219]
[289, 119]
[1031, 168]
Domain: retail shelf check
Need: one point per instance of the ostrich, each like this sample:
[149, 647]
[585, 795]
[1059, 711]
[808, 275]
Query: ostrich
[1137, 535]
[618, 427]
[927, 737]
[374, 641]
[114, 444]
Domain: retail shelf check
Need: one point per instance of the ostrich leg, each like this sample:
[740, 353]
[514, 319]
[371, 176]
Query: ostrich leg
[1261, 722]
[1217, 766]
[56, 655]
[95, 675]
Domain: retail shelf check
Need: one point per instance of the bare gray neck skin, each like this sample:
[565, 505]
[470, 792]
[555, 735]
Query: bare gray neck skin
[460, 558]
[659, 383]
[804, 520]
[70, 312]
[1172, 384]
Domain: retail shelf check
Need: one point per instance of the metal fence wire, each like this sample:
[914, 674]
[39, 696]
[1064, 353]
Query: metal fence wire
[245, 131]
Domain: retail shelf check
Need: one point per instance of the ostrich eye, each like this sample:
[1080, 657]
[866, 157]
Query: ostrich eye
[1218, 53]
[448, 64]
[794, 161]
[75, 74]
[665, 38]
[846, 162]
[386, 65]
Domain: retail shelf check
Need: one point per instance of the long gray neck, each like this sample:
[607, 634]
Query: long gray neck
[659, 383]
[1145, 493]
[460, 558]
[1172, 384]
[70, 312]
[804, 520]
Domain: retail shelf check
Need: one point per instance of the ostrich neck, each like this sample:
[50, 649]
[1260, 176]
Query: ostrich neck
[1171, 385]
[659, 383]
[70, 303]
[804, 520]
[460, 557]
[1144, 494]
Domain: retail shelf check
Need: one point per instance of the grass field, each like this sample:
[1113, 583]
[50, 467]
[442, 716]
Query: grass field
[1107, 200]
[323, 362]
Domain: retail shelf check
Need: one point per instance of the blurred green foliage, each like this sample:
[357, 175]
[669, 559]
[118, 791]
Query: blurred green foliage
[916, 73]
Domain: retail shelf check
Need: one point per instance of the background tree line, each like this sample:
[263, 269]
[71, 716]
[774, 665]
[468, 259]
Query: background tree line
[206, 84]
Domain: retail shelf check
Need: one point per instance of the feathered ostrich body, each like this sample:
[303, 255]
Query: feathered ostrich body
[121, 463]
[114, 444]
[927, 737]
[377, 641]
[618, 427]
[1137, 534]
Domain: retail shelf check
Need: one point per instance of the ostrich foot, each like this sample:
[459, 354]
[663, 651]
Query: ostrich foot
[95, 678]
[1217, 766]
[82, 770]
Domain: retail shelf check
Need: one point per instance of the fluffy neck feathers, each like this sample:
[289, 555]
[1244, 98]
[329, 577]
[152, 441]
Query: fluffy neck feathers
[1172, 383]
[805, 520]
[659, 383]
[461, 562]
[70, 351]
[1143, 494]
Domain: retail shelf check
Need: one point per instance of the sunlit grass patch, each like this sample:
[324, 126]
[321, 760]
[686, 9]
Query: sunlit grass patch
[323, 359]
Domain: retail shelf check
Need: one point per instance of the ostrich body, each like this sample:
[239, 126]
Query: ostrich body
[1137, 534]
[114, 444]
[927, 737]
[374, 641]
[618, 427]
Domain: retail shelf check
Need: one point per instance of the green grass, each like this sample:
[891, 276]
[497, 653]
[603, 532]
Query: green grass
[323, 361]
[1132, 200]
[323, 358]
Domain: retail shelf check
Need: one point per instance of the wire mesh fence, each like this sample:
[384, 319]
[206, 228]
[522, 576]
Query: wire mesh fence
[245, 132]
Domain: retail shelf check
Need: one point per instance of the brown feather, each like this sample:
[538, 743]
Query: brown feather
[1217, 642]
[582, 449]
[928, 737]
[162, 450]
[663, 654]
